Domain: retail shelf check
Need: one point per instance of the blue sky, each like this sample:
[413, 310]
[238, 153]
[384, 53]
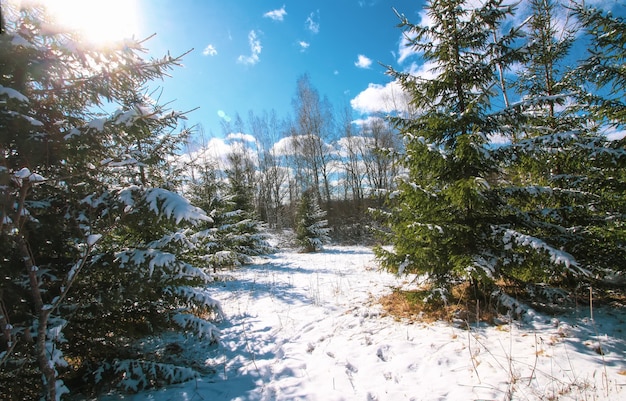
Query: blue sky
[248, 54]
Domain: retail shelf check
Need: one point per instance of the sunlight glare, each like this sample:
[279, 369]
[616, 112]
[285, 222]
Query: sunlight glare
[97, 21]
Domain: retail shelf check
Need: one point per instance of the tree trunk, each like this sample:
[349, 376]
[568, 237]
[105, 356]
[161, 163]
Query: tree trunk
[47, 370]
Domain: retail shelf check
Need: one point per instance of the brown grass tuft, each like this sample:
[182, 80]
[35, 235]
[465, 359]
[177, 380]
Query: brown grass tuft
[411, 305]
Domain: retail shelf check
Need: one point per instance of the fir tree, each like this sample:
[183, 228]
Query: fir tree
[311, 227]
[559, 189]
[442, 214]
[88, 214]
[234, 234]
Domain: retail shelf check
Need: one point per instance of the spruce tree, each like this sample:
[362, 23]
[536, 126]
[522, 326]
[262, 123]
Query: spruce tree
[94, 241]
[544, 208]
[311, 227]
[234, 233]
[560, 189]
[245, 235]
[442, 215]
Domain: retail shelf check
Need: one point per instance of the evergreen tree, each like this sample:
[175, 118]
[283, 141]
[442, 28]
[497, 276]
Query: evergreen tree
[93, 241]
[543, 209]
[442, 214]
[234, 234]
[604, 65]
[311, 227]
[559, 187]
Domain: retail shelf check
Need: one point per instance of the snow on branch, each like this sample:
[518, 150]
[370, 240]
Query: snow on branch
[542, 190]
[177, 237]
[26, 174]
[174, 206]
[557, 256]
[137, 375]
[158, 258]
[154, 258]
[12, 94]
[201, 327]
[163, 202]
[197, 295]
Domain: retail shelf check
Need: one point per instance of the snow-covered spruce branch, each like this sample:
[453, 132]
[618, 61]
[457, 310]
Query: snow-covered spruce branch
[156, 258]
[559, 257]
[539, 190]
[163, 203]
[200, 327]
[174, 206]
[138, 375]
[197, 295]
[428, 226]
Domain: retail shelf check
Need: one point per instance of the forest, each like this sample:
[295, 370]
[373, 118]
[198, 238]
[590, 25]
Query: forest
[501, 179]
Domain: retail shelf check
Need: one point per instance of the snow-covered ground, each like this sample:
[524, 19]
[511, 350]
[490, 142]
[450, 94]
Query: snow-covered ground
[308, 327]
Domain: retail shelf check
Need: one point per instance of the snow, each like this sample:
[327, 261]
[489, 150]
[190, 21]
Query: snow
[25, 174]
[97, 124]
[13, 94]
[174, 206]
[309, 327]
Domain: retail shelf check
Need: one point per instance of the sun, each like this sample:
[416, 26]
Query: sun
[97, 21]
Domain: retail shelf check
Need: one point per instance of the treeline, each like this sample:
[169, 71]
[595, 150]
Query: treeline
[348, 167]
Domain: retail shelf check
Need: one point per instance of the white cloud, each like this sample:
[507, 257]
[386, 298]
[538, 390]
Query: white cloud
[292, 145]
[425, 71]
[353, 142]
[303, 45]
[216, 150]
[404, 51]
[363, 62]
[380, 99]
[238, 136]
[209, 51]
[276, 15]
[312, 22]
[391, 97]
[365, 122]
[255, 49]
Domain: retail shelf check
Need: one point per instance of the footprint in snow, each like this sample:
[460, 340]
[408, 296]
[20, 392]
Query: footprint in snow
[350, 368]
[383, 353]
[372, 397]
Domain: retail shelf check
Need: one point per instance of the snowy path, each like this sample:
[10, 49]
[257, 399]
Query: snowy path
[306, 327]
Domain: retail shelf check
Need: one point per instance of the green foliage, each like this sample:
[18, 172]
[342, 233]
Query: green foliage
[544, 207]
[234, 234]
[95, 243]
[311, 227]
[605, 64]
[442, 212]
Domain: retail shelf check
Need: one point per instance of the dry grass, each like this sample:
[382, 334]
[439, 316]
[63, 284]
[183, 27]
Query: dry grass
[465, 304]
[411, 305]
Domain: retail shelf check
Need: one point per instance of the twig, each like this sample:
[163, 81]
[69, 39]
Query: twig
[605, 375]
[532, 372]
[469, 346]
